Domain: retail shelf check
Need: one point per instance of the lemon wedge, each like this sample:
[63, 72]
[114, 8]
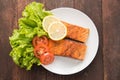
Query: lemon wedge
[57, 30]
[47, 21]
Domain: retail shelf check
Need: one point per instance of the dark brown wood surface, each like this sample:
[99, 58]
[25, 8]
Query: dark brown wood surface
[104, 13]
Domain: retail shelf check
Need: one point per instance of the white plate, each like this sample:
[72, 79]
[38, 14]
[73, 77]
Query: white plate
[67, 66]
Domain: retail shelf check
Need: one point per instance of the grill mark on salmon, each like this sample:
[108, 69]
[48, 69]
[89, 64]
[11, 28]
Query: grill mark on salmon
[67, 48]
[76, 32]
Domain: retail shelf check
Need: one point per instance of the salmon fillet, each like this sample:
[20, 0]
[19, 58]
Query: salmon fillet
[67, 48]
[76, 32]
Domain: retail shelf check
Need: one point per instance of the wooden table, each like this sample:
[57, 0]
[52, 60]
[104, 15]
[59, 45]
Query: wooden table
[104, 13]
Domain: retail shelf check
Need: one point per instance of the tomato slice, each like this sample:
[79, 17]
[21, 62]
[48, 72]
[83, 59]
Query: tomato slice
[37, 41]
[44, 40]
[40, 49]
[46, 58]
[34, 41]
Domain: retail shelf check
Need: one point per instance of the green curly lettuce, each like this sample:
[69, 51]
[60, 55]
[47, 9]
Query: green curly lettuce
[30, 25]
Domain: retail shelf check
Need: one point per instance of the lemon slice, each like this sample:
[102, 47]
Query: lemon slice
[47, 21]
[57, 31]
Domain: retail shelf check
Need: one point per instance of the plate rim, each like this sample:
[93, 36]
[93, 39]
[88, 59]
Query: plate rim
[96, 46]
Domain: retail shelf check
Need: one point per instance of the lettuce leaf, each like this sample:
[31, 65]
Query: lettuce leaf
[30, 25]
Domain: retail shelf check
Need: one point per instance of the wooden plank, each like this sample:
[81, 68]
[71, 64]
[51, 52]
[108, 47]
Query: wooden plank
[51, 4]
[8, 19]
[111, 37]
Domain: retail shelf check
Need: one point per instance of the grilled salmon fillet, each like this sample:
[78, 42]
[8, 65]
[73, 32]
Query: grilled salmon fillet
[67, 48]
[76, 32]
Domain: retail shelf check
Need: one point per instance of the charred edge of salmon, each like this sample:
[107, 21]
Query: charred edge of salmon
[68, 48]
[74, 40]
[77, 33]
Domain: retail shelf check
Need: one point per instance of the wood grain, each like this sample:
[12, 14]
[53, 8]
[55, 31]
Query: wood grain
[8, 20]
[111, 39]
[51, 4]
